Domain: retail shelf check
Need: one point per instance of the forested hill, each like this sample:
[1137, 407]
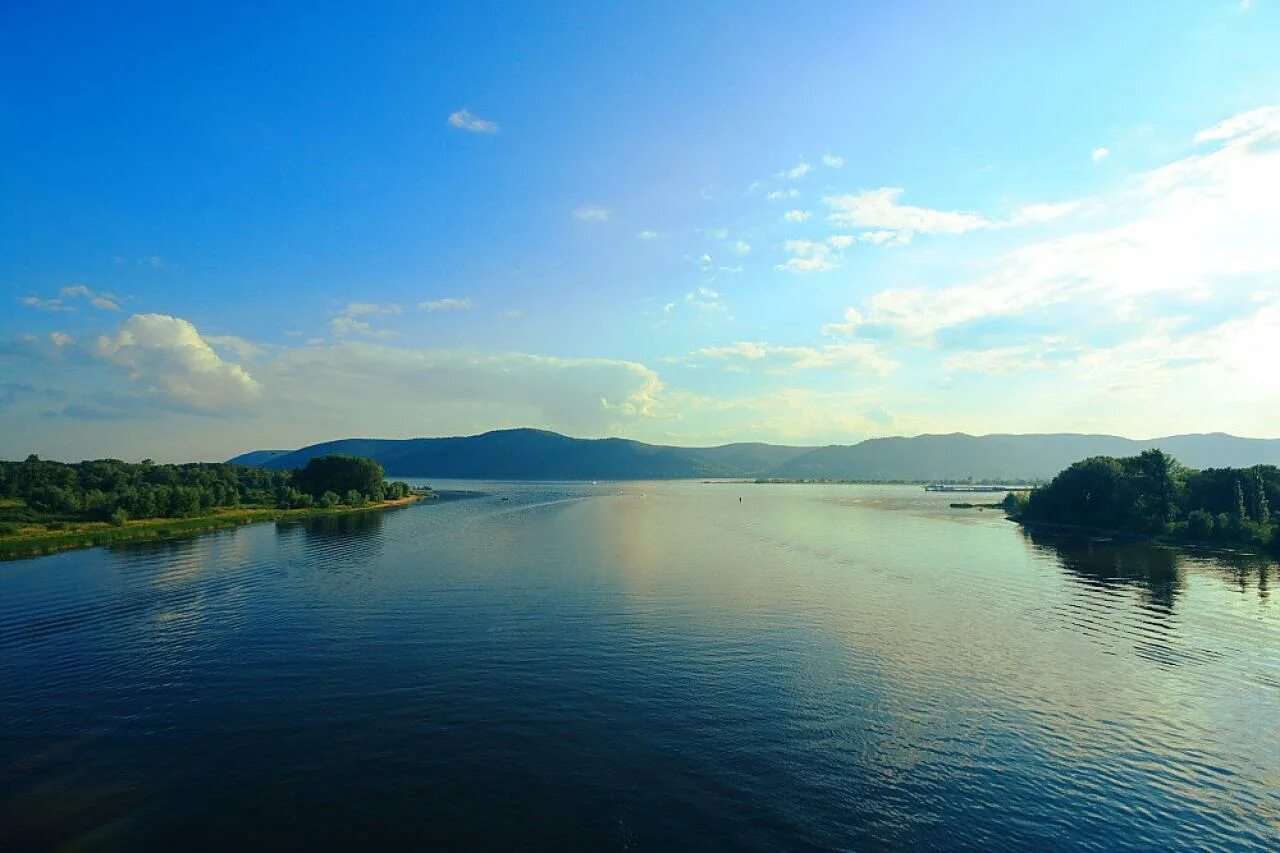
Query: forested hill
[537, 454]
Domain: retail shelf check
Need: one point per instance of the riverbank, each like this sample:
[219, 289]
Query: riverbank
[1164, 539]
[38, 539]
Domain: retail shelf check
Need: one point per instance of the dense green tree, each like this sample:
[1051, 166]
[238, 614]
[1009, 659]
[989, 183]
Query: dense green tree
[340, 474]
[1152, 493]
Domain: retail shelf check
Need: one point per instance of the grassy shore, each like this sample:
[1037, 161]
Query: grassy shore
[35, 539]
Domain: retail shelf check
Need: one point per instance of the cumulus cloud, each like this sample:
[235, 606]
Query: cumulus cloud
[448, 303]
[464, 119]
[168, 356]
[808, 256]
[465, 390]
[879, 209]
[592, 213]
[848, 327]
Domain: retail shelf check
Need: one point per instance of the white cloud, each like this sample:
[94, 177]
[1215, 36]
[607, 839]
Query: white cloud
[647, 235]
[1203, 225]
[879, 238]
[592, 213]
[832, 161]
[879, 209]
[448, 303]
[741, 247]
[45, 304]
[168, 356]
[852, 322]
[774, 195]
[808, 256]
[462, 391]
[70, 293]
[1033, 214]
[742, 356]
[796, 215]
[358, 309]
[703, 298]
[347, 324]
[795, 172]
[464, 119]
[60, 339]
[241, 348]
[1100, 154]
[841, 241]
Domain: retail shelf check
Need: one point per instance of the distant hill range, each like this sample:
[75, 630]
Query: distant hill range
[530, 454]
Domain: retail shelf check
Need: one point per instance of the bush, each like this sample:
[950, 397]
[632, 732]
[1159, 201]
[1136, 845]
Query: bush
[329, 500]
[56, 525]
[354, 498]
[119, 517]
[1200, 524]
[7, 529]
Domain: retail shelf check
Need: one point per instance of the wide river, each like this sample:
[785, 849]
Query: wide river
[641, 666]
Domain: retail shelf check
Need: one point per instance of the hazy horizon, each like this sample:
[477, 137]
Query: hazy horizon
[228, 229]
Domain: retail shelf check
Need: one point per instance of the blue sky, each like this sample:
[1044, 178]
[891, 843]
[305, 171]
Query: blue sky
[224, 226]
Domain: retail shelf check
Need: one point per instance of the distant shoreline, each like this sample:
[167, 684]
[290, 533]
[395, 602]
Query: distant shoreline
[36, 542]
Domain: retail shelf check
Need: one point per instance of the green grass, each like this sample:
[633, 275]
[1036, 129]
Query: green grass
[34, 537]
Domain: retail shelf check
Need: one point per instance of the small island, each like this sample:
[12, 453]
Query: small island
[50, 506]
[1152, 495]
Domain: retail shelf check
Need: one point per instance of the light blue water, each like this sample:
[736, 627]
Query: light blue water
[642, 665]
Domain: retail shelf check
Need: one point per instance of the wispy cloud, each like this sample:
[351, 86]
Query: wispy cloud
[795, 172]
[832, 161]
[68, 295]
[592, 213]
[796, 215]
[742, 356]
[448, 303]
[347, 323]
[464, 119]
[1194, 228]
[41, 304]
[1100, 154]
[879, 209]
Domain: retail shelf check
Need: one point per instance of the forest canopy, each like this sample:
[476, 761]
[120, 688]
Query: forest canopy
[108, 489]
[1152, 493]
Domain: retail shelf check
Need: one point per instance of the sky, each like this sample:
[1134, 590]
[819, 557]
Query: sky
[229, 226]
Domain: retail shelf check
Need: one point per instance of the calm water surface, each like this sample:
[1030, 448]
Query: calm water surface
[641, 666]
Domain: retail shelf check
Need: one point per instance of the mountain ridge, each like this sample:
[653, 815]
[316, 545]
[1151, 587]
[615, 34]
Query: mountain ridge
[534, 454]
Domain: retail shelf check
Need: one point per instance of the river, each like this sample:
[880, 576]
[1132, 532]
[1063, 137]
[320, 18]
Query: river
[641, 666]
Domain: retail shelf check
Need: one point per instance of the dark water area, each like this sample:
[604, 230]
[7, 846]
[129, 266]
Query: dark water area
[641, 666]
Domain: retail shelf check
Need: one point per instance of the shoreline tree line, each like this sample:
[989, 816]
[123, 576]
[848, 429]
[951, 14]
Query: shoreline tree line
[1153, 494]
[116, 491]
